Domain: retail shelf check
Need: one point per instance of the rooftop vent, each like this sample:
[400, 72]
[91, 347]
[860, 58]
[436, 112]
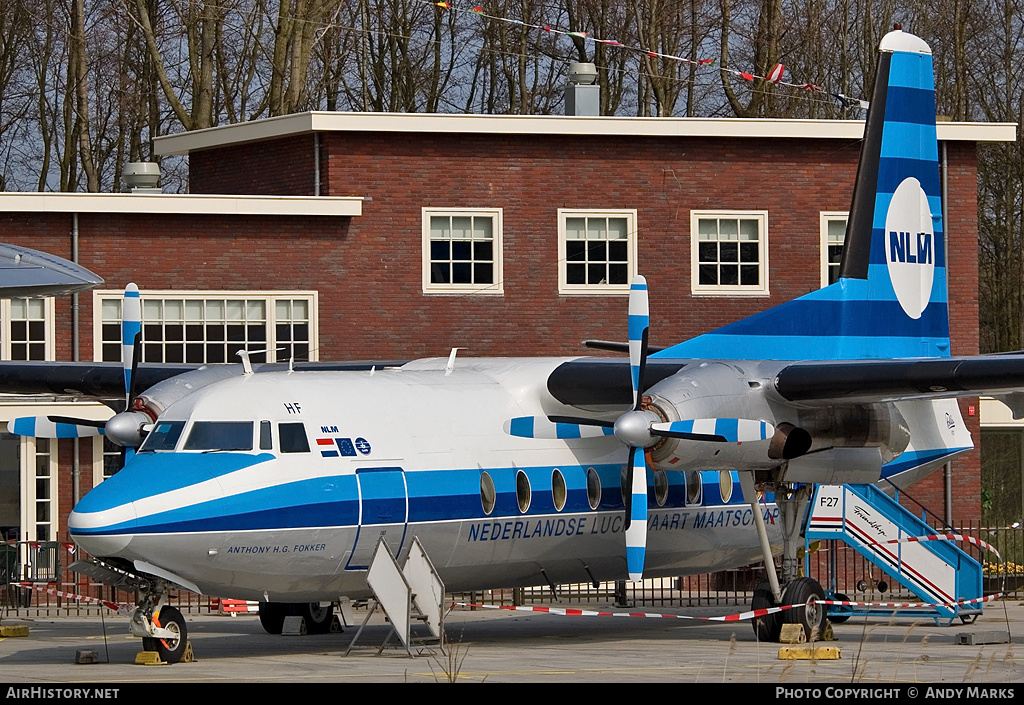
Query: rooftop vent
[582, 94]
[142, 177]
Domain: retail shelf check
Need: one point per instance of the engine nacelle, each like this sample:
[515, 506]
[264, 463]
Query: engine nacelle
[710, 390]
[859, 436]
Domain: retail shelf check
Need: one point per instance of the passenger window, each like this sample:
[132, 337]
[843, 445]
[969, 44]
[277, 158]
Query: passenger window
[293, 438]
[265, 441]
[220, 435]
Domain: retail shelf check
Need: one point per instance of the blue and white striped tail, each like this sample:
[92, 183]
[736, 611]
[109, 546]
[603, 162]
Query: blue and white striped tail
[890, 300]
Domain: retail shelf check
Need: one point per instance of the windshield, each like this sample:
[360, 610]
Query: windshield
[164, 436]
[220, 435]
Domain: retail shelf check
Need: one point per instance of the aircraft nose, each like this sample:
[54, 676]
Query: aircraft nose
[103, 522]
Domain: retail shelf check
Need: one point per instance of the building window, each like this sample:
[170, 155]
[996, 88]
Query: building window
[25, 329]
[42, 500]
[833, 235]
[596, 251]
[729, 252]
[113, 458]
[212, 327]
[462, 251]
[108, 459]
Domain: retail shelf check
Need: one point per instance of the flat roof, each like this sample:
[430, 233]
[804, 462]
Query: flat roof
[176, 203]
[321, 121]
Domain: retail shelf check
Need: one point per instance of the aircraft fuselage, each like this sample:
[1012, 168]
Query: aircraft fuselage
[288, 500]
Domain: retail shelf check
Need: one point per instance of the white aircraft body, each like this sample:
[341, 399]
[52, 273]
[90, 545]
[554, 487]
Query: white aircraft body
[275, 484]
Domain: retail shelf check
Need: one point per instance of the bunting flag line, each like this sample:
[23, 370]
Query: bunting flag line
[774, 76]
[739, 617]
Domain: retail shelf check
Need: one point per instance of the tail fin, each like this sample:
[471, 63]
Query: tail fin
[890, 300]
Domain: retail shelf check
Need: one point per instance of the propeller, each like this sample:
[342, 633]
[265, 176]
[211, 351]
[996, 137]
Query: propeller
[639, 429]
[636, 512]
[632, 428]
[123, 429]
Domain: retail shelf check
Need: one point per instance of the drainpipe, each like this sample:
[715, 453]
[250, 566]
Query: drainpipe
[76, 467]
[316, 163]
[947, 470]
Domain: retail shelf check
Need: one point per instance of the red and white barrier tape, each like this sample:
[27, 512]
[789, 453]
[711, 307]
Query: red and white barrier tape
[751, 614]
[122, 609]
[940, 537]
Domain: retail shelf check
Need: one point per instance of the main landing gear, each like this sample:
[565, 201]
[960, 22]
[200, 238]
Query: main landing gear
[318, 616]
[793, 590]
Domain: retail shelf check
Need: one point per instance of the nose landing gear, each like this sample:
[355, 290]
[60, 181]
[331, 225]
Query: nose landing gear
[161, 626]
[171, 623]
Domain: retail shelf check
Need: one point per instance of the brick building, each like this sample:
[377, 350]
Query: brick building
[392, 236]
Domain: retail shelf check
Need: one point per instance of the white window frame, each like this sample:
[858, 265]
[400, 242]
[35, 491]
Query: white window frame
[270, 297]
[630, 216]
[98, 457]
[29, 515]
[497, 287]
[826, 218]
[5, 332]
[761, 289]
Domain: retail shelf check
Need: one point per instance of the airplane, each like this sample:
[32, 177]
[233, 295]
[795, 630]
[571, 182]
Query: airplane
[275, 483]
[30, 274]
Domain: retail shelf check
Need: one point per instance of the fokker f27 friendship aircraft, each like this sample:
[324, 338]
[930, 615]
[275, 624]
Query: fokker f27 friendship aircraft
[275, 484]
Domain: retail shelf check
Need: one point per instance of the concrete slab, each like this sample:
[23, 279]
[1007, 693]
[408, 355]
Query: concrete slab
[503, 646]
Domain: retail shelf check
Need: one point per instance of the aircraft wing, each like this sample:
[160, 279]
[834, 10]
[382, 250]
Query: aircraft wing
[588, 382]
[605, 382]
[830, 381]
[105, 380]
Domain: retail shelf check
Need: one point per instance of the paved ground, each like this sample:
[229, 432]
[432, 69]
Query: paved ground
[502, 646]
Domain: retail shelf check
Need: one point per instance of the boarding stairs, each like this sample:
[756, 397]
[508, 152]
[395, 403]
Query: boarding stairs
[874, 524]
[407, 593]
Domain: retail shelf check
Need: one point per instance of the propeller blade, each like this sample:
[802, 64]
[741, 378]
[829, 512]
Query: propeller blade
[131, 335]
[636, 525]
[639, 324]
[716, 430]
[540, 427]
[43, 427]
[74, 421]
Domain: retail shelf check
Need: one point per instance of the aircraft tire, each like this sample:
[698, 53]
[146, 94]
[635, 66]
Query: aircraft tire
[769, 627]
[170, 650]
[839, 618]
[318, 619]
[272, 616]
[805, 591]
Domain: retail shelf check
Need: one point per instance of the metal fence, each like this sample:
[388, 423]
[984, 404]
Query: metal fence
[37, 582]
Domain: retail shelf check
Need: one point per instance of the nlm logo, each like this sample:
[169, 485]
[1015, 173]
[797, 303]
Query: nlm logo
[909, 240]
[902, 247]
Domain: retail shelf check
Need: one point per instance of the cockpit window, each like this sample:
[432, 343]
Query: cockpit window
[220, 435]
[293, 438]
[164, 436]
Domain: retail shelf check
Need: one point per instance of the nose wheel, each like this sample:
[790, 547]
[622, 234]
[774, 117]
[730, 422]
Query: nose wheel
[172, 646]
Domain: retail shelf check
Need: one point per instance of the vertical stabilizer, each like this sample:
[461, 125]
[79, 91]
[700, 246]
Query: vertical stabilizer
[890, 300]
